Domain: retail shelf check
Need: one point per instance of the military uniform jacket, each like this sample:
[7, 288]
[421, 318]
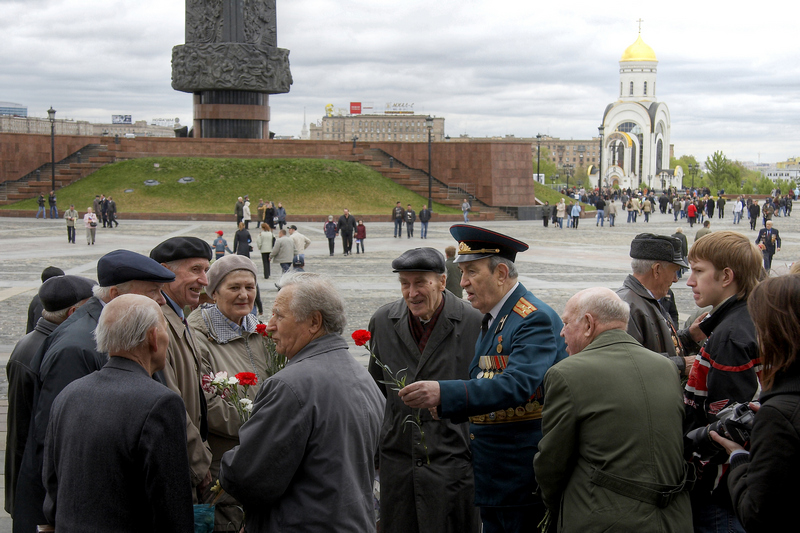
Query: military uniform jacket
[615, 408]
[770, 238]
[527, 331]
[182, 375]
[438, 496]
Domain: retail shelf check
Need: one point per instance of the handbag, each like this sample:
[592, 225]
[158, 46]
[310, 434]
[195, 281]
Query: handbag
[93, 224]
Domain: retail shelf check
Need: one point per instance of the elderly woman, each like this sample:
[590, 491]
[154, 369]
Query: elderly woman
[90, 222]
[226, 339]
[763, 483]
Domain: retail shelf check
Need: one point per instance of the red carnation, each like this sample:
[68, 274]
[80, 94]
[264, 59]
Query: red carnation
[361, 337]
[261, 329]
[247, 378]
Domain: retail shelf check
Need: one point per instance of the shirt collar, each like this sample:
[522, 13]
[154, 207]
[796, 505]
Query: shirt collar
[496, 309]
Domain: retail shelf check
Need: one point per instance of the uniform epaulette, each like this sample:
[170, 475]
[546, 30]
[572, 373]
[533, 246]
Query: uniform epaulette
[523, 308]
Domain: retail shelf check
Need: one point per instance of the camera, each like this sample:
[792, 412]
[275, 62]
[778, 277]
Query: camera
[734, 423]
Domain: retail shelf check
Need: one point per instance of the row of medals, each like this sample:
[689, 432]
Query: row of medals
[530, 407]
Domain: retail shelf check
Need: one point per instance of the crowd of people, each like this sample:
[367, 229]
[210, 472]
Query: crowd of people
[486, 413]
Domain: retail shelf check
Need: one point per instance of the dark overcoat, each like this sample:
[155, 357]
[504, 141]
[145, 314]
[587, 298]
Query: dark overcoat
[415, 495]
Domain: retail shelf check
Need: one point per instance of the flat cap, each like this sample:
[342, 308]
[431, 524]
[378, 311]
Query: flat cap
[420, 260]
[121, 266]
[51, 272]
[658, 248]
[61, 292]
[178, 248]
[224, 266]
[477, 243]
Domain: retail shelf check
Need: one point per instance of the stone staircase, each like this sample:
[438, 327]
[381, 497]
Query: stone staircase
[68, 170]
[416, 180]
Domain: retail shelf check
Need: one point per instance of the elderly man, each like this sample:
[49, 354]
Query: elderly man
[300, 243]
[656, 262]
[431, 333]
[346, 225]
[503, 399]
[769, 241]
[189, 259]
[115, 453]
[60, 296]
[70, 353]
[35, 307]
[238, 210]
[611, 457]
[306, 458]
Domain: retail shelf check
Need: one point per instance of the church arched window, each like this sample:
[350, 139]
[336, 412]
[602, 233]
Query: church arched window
[631, 88]
[645, 88]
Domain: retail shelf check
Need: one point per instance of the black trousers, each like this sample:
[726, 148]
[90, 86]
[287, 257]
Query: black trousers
[331, 244]
[265, 260]
[70, 233]
[347, 242]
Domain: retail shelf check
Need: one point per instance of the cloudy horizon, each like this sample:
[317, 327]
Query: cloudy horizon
[507, 68]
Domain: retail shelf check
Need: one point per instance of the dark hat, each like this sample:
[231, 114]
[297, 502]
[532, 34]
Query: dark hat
[61, 292]
[51, 272]
[293, 227]
[299, 262]
[121, 266]
[477, 243]
[178, 248]
[420, 260]
[658, 248]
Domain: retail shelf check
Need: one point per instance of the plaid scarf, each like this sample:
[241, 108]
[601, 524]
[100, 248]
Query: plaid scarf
[223, 330]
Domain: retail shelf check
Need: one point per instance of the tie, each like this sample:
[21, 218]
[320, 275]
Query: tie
[485, 324]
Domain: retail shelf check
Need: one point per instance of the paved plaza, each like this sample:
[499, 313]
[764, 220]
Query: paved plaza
[560, 262]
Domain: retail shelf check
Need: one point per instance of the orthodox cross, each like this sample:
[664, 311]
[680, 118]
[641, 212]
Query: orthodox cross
[640, 24]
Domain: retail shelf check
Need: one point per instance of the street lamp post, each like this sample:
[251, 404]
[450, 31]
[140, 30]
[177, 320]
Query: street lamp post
[51, 115]
[429, 125]
[538, 148]
[601, 129]
[693, 171]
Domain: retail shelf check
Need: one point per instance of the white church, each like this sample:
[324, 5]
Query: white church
[636, 128]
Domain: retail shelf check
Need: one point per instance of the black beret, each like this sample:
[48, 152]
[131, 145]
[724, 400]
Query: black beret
[61, 292]
[121, 266]
[476, 243]
[420, 260]
[178, 248]
[658, 248]
[51, 272]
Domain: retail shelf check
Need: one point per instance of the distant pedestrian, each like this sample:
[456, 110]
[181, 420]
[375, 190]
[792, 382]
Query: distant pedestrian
[465, 208]
[301, 242]
[241, 241]
[238, 210]
[346, 227]
[104, 211]
[397, 217]
[270, 216]
[280, 212]
[41, 210]
[330, 233]
[264, 242]
[611, 211]
[220, 246]
[361, 235]
[546, 213]
[51, 200]
[600, 205]
[754, 210]
[90, 223]
[410, 218]
[424, 218]
[561, 213]
[453, 283]
[283, 251]
[246, 215]
[71, 215]
[576, 214]
[112, 212]
[702, 232]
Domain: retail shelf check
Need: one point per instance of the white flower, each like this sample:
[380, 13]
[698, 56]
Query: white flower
[220, 378]
[233, 381]
[247, 404]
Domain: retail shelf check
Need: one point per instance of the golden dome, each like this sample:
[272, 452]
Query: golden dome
[638, 51]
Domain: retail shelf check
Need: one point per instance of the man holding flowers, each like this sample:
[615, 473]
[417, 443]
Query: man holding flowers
[425, 485]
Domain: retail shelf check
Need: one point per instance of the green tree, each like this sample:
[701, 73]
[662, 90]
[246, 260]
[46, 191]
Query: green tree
[546, 165]
[719, 170]
[684, 161]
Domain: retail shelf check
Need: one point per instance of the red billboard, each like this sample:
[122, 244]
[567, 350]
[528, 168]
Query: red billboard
[355, 108]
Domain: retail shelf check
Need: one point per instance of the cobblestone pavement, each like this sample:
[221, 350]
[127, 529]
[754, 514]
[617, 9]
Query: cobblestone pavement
[559, 263]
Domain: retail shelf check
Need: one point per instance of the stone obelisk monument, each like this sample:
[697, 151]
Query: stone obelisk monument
[231, 64]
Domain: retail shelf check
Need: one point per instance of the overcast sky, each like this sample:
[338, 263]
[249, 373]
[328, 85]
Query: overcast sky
[729, 71]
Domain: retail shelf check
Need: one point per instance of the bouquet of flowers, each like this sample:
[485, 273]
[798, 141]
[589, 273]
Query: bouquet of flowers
[275, 361]
[232, 389]
[397, 381]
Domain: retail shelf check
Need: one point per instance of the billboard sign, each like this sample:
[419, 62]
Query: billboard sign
[165, 122]
[355, 108]
[121, 119]
[397, 108]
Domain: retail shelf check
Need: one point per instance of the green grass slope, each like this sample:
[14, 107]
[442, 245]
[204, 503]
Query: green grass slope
[304, 186]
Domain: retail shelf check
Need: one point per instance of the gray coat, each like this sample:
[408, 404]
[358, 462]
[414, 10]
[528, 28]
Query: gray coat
[615, 409]
[415, 495]
[306, 458]
[115, 455]
[283, 250]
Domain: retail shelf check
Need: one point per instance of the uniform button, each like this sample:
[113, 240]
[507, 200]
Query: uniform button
[471, 436]
[419, 462]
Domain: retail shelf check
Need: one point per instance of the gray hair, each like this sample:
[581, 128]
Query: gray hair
[495, 260]
[312, 293]
[643, 266]
[104, 293]
[123, 330]
[57, 317]
[603, 304]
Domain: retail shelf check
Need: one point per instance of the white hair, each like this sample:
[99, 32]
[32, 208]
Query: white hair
[312, 293]
[123, 330]
[603, 304]
[104, 293]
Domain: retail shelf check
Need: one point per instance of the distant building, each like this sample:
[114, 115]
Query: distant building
[140, 128]
[792, 162]
[16, 110]
[16, 124]
[788, 174]
[376, 128]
